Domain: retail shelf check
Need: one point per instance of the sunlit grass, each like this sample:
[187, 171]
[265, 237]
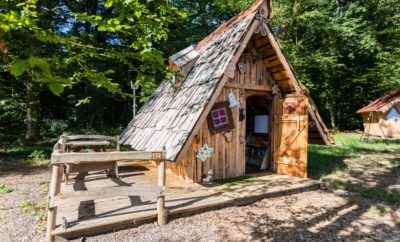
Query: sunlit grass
[338, 166]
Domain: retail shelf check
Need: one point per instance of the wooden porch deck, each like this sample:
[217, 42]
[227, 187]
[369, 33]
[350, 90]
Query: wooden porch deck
[97, 204]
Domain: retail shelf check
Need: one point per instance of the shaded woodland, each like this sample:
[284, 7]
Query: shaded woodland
[70, 65]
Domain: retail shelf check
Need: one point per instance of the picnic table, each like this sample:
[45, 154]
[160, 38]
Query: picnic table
[91, 145]
[88, 144]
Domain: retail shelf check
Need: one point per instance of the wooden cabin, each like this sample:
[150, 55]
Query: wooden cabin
[381, 117]
[234, 106]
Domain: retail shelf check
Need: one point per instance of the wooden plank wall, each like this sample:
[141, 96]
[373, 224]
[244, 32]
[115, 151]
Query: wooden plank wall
[258, 68]
[377, 125]
[229, 157]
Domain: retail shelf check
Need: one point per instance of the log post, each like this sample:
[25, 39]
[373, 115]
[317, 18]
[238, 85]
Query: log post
[161, 210]
[54, 189]
[117, 141]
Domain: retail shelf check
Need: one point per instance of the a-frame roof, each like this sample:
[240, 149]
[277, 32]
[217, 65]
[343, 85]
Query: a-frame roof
[168, 120]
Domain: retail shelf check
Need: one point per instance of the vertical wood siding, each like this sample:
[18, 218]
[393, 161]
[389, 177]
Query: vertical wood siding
[229, 156]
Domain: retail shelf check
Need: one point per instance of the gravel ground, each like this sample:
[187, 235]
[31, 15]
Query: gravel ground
[307, 216]
[20, 217]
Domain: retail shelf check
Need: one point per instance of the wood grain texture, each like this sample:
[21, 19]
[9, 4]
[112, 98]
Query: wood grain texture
[292, 140]
[78, 158]
[229, 153]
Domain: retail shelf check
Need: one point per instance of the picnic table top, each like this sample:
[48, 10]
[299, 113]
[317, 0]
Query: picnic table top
[88, 143]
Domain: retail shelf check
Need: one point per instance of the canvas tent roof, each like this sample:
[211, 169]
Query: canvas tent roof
[382, 104]
[168, 119]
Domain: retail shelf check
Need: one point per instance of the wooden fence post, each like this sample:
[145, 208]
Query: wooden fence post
[117, 141]
[54, 189]
[161, 211]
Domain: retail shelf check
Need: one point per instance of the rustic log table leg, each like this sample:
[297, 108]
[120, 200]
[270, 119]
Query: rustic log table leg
[54, 189]
[161, 211]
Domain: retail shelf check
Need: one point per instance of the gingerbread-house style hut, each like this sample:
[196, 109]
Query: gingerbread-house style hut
[381, 117]
[234, 106]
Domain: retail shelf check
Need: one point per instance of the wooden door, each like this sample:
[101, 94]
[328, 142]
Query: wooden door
[290, 138]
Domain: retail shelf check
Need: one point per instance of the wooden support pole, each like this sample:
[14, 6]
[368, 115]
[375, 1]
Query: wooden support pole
[54, 189]
[161, 210]
[117, 141]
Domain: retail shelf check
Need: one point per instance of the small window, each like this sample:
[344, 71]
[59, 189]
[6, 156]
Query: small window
[393, 113]
[220, 118]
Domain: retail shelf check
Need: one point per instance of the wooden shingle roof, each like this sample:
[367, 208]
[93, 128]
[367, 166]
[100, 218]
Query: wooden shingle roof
[167, 119]
[383, 103]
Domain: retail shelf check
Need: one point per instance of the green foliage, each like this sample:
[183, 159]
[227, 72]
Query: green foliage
[83, 50]
[5, 189]
[11, 113]
[346, 53]
[37, 209]
[82, 55]
[38, 155]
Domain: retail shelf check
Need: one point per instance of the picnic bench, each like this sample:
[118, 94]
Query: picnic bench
[86, 144]
[68, 154]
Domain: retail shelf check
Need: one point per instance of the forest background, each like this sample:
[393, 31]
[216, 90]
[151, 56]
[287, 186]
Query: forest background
[69, 65]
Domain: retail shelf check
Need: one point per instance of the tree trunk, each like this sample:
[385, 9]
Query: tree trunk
[332, 116]
[32, 113]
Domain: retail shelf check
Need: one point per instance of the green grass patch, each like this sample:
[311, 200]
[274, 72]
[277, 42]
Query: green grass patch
[236, 180]
[382, 195]
[325, 160]
[38, 210]
[22, 157]
[5, 189]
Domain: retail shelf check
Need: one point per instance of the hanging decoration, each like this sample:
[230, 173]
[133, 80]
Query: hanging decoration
[233, 102]
[220, 118]
[228, 136]
[205, 152]
[275, 89]
[242, 68]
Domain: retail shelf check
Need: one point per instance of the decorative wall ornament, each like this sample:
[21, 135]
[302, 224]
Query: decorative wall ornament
[233, 102]
[205, 152]
[242, 68]
[290, 107]
[262, 18]
[242, 139]
[228, 136]
[210, 177]
[220, 118]
[260, 15]
[276, 90]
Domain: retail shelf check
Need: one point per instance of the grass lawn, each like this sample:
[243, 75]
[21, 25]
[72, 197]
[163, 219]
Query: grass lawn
[369, 168]
[24, 157]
